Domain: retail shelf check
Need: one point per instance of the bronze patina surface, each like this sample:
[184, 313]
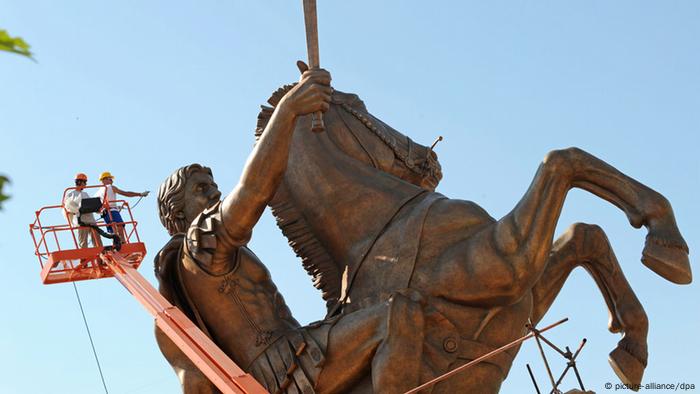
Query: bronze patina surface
[357, 204]
[208, 272]
[416, 283]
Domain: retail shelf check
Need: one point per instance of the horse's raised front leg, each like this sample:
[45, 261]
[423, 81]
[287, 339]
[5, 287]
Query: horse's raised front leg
[587, 246]
[525, 234]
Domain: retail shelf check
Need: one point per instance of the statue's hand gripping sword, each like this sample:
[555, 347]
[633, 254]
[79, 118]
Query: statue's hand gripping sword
[312, 48]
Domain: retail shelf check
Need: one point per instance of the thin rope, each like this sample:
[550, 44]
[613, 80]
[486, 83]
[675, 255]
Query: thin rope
[97, 360]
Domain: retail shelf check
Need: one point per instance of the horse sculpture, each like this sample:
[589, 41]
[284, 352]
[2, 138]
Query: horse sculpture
[357, 204]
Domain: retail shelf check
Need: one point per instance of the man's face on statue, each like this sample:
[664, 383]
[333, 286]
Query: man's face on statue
[201, 192]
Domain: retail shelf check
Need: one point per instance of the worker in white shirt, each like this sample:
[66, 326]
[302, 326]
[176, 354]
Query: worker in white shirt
[71, 204]
[108, 193]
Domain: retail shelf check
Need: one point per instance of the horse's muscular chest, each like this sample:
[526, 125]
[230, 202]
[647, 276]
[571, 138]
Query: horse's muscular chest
[448, 227]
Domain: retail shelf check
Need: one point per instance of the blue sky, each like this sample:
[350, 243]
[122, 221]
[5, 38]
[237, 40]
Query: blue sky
[141, 88]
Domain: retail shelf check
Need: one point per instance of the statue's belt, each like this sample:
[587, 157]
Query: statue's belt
[287, 361]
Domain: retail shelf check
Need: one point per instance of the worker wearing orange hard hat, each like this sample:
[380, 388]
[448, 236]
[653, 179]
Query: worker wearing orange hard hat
[108, 194]
[71, 204]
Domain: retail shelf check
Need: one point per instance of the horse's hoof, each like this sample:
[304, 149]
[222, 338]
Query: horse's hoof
[669, 261]
[627, 367]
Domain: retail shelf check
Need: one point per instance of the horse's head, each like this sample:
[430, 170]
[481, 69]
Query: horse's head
[385, 148]
[360, 135]
[349, 179]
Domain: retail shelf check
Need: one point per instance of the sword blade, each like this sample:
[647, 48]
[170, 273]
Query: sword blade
[310, 21]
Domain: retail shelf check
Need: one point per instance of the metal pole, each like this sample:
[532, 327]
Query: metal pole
[536, 333]
[532, 376]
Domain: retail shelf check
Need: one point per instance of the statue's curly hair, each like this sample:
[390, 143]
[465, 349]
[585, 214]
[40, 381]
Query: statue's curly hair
[171, 198]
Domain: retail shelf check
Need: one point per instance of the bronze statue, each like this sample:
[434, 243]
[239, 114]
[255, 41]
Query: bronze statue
[208, 272]
[357, 204]
[416, 284]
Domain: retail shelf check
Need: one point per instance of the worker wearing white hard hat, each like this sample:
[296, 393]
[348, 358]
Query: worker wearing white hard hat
[71, 204]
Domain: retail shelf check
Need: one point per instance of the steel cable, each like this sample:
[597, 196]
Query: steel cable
[87, 328]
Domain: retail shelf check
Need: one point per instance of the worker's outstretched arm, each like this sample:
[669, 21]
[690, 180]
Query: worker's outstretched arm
[267, 163]
[128, 193]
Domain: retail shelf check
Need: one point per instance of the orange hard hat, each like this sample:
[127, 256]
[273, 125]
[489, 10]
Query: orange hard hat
[81, 176]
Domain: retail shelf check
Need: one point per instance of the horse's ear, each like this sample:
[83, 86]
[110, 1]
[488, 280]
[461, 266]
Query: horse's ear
[302, 66]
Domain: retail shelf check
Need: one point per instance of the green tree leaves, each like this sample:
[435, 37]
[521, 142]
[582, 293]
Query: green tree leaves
[20, 47]
[3, 180]
[14, 44]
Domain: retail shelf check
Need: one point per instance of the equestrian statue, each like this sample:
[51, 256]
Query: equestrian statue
[415, 283]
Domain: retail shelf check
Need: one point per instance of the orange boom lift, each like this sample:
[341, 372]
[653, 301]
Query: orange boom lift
[121, 261]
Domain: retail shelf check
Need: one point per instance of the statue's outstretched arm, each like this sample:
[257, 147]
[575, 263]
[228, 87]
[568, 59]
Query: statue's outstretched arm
[265, 167]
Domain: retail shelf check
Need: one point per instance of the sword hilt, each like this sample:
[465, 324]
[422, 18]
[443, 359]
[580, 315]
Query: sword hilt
[317, 125]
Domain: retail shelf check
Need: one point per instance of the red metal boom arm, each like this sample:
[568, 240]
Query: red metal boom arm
[214, 363]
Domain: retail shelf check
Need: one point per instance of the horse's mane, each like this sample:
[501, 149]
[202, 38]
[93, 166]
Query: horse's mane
[314, 257]
[318, 263]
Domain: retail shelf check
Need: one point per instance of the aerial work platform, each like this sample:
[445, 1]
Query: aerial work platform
[62, 260]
